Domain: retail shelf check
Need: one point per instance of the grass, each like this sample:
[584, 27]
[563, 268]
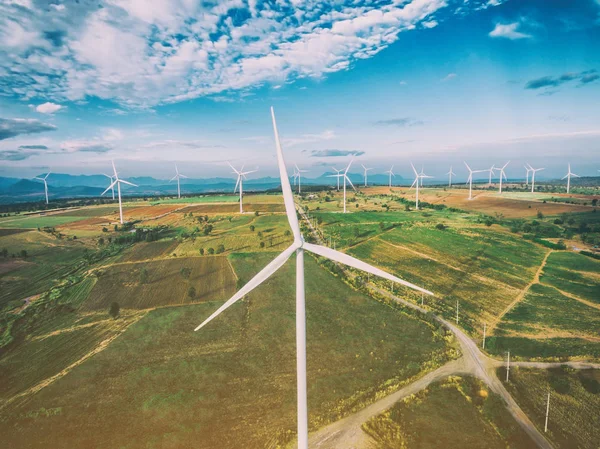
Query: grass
[162, 284]
[457, 412]
[149, 250]
[232, 384]
[574, 274]
[38, 221]
[574, 403]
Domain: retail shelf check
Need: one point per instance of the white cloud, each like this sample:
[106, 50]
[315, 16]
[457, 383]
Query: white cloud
[58, 7]
[139, 56]
[48, 108]
[509, 31]
[449, 76]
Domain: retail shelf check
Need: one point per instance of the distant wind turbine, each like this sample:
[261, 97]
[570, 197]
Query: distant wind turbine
[527, 174]
[299, 176]
[113, 187]
[45, 184]
[418, 179]
[568, 176]
[345, 175]
[177, 177]
[117, 181]
[450, 174]
[470, 179]
[492, 169]
[298, 247]
[533, 172]
[240, 183]
[502, 175]
[391, 173]
[365, 173]
[337, 175]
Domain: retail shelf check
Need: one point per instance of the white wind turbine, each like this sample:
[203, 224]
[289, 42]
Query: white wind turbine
[345, 176]
[568, 176]
[299, 176]
[365, 173]
[240, 183]
[391, 173]
[527, 174]
[298, 247]
[502, 175]
[177, 177]
[118, 183]
[450, 174]
[45, 184]
[113, 187]
[533, 172]
[470, 179]
[337, 175]
[492, 169]
[418, 179]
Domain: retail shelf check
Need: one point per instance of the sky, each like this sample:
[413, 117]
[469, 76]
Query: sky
[433, 82]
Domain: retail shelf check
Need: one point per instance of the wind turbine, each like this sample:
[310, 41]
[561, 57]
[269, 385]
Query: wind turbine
[177, 177]
[533, 172]
[113, 187]
[470, 179]
[45, 184]
[568, 176]
[391, 173]
[298, 247]
[345, 176]
[240, 182]
[502, 175]
[117, 181]
[491, 170]
[299, 176]
[337, 175]
[527, 174]
[418, 177]
[450, 174]
[365, 172]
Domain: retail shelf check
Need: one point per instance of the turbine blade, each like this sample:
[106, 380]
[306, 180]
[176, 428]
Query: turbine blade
[127, 182]
[564, 177]
[173, 178]
[469, 168]
[236, 184]
[286, 189]
[348, 167]
[414, 169]
[358, 264]
[577, 176]
[182, 176]
[109, 187]
[348, 179]
[114, 168]
[262, 276]
[233, 168]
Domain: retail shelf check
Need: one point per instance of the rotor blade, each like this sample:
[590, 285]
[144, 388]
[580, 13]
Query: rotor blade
[114, 168]
[233, 168]
[414, 182]
[109, 187]
[47, 174]
[286, 189]
[262, 276]
[128, 183]
[505, 165]
[348, 167]
[414, 169]
[348, 179]
[236, 184]
[182, 176]
[173, 178]
[108, 176]
[577, 176]
[564, 177]
[359, 264]
[469, 168]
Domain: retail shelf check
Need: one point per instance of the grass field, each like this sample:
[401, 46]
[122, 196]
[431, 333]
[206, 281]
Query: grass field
[574, 403]
[149, 250]
[232, 384]
[457, 412]
[574, 274]
[37, 221]
[162, 284]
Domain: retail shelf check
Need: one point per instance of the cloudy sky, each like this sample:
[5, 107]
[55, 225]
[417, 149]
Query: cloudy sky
[391, 81]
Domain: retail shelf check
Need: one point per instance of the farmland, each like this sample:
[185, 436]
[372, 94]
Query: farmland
[574, 403]
[456, 412]
[178, 380]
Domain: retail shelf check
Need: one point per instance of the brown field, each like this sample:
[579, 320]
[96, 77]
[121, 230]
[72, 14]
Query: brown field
[483, 201]
[211, 277]
[149, 212]
[145, 250]
[7, 232]
[228, 208]
[9, 265]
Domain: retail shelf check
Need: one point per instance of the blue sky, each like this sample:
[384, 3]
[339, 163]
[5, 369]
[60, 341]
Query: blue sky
[435, 82]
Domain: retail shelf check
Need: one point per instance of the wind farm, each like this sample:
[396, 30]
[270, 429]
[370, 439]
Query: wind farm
[300, 225]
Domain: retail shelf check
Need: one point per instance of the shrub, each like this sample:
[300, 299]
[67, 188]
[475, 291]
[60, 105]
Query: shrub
[202, 251]
[262, 244]
[211, 251]
[440, 226]
[191, 292]
[114, 310]
[252, 228]
[220, 249]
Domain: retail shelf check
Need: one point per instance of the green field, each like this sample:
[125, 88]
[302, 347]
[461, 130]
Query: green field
[163, 283]
[574, 274]
[574, 403]
[38, 221]
[457, 412]
[150, 250]
[232, 384]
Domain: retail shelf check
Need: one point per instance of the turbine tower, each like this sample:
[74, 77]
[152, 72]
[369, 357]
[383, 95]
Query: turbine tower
[568, 176]
[337, 175]
[240, 182]
[450, 174]
[113, 187]
[298, 247]
[365, 173]
[117, 181]
[491, 170]
[299, 176]
[177, 177]
[391, 173]
[527, 173]
[502, 175]
[470, 179]
[533, 172]
[345, 175]
[45, 184]
[418, 179]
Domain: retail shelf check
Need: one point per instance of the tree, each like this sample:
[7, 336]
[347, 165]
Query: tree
[202, 251]
[287, 233]
[101, 241]
[356, 231]
[252, 228]
[540, 215]
[208, 229]
[116, 227]
[407, 207]
[105, 229]
[114, 310]
[185, 272]
[23, 254]
[440, 226]
[262, 244]
[143, 276]
[260, 235]
[191, 292]
[211, 251]
[220, 249]
[381, 225]
[256, 213]
[4, 253]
